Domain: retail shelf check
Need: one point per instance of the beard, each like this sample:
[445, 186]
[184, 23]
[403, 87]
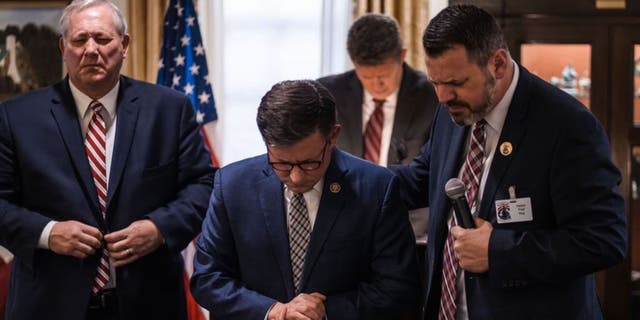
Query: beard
[481, 110]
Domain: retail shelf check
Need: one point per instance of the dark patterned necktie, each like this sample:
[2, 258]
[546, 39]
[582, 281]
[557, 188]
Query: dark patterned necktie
[299, 234]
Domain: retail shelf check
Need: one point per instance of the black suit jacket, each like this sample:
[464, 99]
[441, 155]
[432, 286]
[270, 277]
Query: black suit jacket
[160, 171]
[412, 122]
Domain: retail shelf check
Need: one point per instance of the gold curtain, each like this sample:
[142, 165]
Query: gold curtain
[145, 18]
[412, 16]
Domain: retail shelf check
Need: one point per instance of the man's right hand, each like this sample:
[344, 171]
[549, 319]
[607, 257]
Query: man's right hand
[304, 306]
[74, 238]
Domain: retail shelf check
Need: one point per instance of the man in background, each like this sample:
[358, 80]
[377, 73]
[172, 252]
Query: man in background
[103, 181]
[306, 230]
[384, 106]
[536, 171]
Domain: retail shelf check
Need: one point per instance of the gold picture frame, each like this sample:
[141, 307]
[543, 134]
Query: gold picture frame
[29, 53]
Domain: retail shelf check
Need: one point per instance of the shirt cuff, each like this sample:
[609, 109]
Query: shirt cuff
[266, 316]
[43, 242]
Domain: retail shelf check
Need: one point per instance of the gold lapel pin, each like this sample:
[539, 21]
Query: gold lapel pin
[334, 187]
[506, 148]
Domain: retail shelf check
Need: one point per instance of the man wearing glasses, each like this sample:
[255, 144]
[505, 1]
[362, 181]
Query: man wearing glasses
[305, 231]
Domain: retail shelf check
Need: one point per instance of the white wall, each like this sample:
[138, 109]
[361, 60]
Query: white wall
[436, 6]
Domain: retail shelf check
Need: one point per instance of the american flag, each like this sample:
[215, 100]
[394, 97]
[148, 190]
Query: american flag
[183, 67]
[183, 64]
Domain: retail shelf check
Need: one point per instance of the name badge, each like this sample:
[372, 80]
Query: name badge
[514, 210]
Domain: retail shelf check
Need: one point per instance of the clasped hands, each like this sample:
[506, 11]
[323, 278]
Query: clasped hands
[74, 238]
[307, 306]
[471, 246]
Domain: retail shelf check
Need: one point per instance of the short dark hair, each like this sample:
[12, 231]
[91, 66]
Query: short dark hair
[373, 38]
[293, 110]
[466, 25]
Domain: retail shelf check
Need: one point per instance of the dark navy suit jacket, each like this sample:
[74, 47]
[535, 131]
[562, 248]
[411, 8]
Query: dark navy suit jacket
[414, 112]
[160, 170]
[539, 269]
[361, 254]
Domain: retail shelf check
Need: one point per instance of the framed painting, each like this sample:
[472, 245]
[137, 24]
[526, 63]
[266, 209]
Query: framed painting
[29, 54]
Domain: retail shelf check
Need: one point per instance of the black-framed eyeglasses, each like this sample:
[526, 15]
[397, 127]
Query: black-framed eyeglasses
[307, 165]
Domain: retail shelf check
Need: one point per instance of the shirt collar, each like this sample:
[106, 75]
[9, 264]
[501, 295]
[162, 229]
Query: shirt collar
[82, 100]
[389, 101]
[315, 191]
[496, 117]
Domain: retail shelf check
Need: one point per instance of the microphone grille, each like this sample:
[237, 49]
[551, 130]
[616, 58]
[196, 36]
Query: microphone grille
[455, 188]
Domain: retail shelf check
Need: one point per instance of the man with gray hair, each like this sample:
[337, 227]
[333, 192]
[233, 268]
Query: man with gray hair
[103, 181]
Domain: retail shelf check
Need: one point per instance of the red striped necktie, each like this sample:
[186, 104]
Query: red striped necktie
[373, 133]
[471, 175]
[95, 146]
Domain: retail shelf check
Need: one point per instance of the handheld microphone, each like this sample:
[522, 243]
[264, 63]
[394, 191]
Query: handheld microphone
[455, 190]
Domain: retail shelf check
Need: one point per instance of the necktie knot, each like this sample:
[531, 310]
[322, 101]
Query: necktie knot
[96, 106]
[478, 129]
[472, 171]
[298, 204]
[379, 103]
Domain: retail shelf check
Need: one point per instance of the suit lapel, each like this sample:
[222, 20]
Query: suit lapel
[331, 204]
[271, 197]
[512, 132]
[65, 114]
[127, 111]
[402, 118]
[452, 164]
[453, 150]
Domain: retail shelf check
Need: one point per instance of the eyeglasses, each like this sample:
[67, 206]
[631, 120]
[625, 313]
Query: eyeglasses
[307, 165]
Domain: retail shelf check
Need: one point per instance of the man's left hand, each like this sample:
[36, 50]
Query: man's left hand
[306, 307]
[133, 242]
[472, 246]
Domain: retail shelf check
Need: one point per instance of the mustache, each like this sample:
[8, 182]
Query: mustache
[456, 103]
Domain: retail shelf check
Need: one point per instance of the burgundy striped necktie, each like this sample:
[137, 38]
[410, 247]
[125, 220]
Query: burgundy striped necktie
[373, 133]
[95, 146]
[471, 175]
